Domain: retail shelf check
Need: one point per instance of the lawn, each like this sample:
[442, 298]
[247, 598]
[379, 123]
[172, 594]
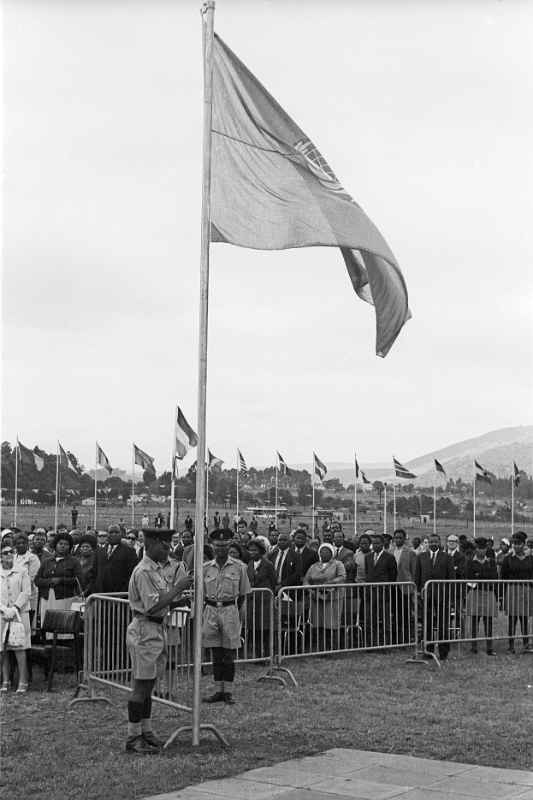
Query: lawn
[474, 709]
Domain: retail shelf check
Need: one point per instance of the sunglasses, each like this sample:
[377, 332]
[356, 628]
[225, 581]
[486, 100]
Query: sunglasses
[131, 538]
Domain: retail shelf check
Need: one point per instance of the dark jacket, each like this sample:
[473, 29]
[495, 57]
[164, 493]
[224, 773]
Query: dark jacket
[68, 569]
[303, 561]
[288, 573]
[384, 571]
[113, 573]
[459, 564]
[88, 574]
[425, 570]
[518, 569]
[479, 571]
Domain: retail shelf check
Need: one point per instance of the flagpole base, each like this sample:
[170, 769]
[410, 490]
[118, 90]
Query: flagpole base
[204, 727]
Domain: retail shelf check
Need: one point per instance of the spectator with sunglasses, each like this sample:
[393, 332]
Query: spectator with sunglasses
[15, 593]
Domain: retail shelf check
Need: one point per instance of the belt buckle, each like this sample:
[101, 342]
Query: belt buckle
[219, 603]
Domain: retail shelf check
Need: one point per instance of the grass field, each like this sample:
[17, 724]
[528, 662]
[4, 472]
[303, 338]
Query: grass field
[474, 710]
[44, 515]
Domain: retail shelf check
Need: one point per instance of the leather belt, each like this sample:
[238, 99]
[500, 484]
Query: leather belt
[219, 603]
[159, 620]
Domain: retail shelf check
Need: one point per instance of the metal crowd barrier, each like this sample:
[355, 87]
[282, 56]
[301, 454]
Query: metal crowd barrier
[341, 618]
[478, 613]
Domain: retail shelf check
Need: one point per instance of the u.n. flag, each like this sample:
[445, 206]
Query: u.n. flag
[185, 436]
[483, 474]
[273, 190]
[439, 467]
[282, 464]
[319, 467]
[142, 459]
[102, 460]
[400, 470]
[242, 468]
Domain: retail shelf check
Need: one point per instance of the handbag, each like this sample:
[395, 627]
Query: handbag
[17, 632]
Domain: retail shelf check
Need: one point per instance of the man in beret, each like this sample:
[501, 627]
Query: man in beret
[153, 590]
[226, 585]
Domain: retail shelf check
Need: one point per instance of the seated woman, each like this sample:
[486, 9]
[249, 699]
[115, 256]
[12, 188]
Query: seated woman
[518, 566]
[261, 575]
[15, 593]
[58, 579]
[326, 606]
[86, 555]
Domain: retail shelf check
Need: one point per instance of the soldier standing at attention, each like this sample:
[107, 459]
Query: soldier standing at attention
[226, 585]
[151, 595]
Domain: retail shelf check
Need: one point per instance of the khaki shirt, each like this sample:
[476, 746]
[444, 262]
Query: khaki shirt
[227, 582]
[147, 583]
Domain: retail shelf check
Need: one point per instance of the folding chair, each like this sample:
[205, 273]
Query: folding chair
[58, 622]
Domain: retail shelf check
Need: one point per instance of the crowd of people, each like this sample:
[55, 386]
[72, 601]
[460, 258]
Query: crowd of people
[47, 569]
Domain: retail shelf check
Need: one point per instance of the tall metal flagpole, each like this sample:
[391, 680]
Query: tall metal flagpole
[355, 495]
[17, 452]
[132, 485]
[394, 506]
[276, 495]
[474, 502]
[434, 507]
[95, 482]
[172, 472]
[208, 12]
[207, 497]
[384, 509]
[238, 473]
[512, 500]
[57, 489]
[313, 500]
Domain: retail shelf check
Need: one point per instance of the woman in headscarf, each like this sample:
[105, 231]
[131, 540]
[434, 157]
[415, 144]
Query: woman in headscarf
[326, 605]
[481, 598]
[518, 566]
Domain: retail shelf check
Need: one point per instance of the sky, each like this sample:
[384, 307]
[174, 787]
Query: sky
[423, 111]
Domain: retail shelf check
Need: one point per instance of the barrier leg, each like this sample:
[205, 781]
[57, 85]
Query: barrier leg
[203, 727]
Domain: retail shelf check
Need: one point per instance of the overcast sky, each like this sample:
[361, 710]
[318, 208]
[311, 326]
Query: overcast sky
[423, 109]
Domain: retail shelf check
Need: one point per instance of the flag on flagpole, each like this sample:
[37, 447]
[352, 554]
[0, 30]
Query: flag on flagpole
[439, 467]
[102, 460]
[272, 190]
[243, 469]
[66, 461]
[364, 478]
[282, 464]
[142, 459]
[28, 457]
[356, 468]
[213, 461]
[185, 436]
[176, 465]
[483, 474]
[516, 475]
[400, 470]
[319, 467]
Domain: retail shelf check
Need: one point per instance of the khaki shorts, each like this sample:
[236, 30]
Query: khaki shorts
[147, 646]
[221, 627]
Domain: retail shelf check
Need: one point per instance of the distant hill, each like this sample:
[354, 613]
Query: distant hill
[495, 450]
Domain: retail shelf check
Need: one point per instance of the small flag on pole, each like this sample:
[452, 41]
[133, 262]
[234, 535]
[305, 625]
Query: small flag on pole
[439, 467]
[28, 457]
[483, 474]
[282, 464]
[185, 436]
[356, 468]
[400, 470]
[364, 478]
[213, 461]
[243, 469]
[516, 475]
[319, 467]
[273, 190]
[102, 460]
[142, 459]
[66, 461]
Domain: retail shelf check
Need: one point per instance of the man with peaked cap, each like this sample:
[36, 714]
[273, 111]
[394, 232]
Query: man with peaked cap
[226, 585]
[152, 592]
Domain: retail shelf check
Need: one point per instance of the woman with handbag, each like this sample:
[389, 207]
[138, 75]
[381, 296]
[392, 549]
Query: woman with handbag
[15, 632]
[58, 579]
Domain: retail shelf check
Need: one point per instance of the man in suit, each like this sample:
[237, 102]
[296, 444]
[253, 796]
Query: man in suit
[304, 555]
[284, 560]
[345, 555]
[115, 563]
[380, 567]
[402, 599]
[436, 565]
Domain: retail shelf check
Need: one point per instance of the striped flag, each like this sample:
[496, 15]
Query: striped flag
[319, 467]
[102, 460]
[185, 436]
[400, 470]
[439, 467]
[66, 461]
[242, 468]
[142, 459]
[483, 474]
[28, 457]
[516, 475]
[213, 460]
[282, 464]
